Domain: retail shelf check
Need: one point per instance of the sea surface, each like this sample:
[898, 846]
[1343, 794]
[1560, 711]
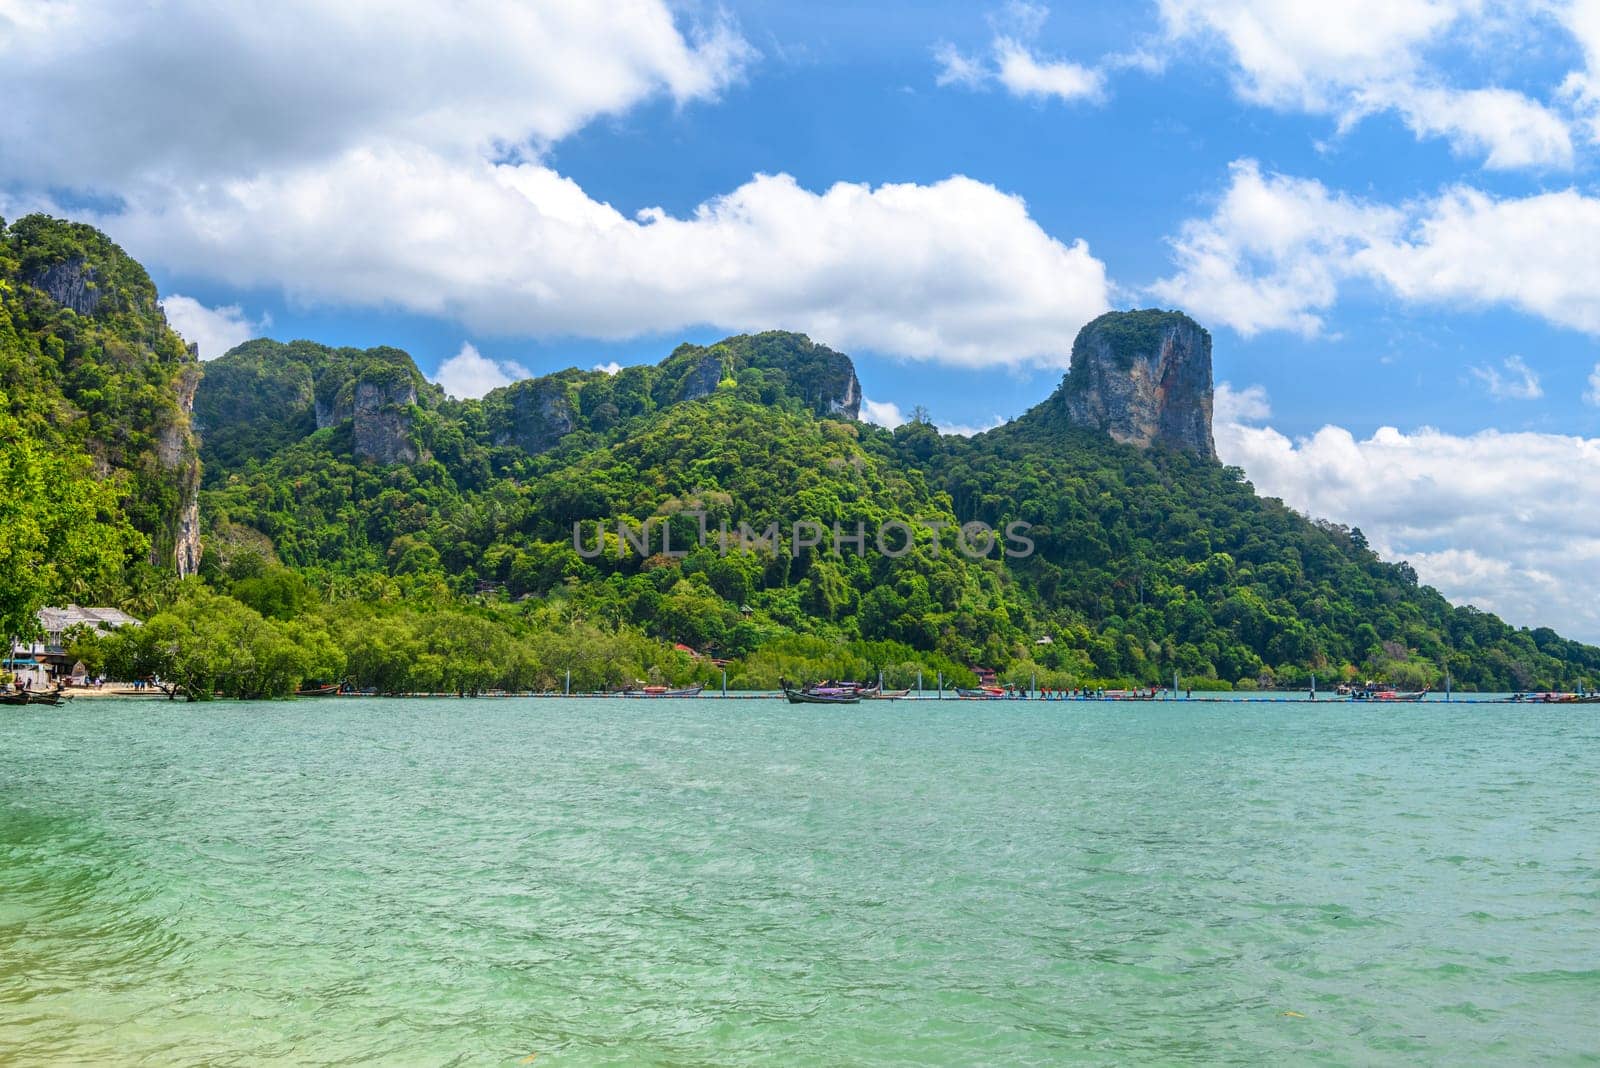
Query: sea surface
[710, 882]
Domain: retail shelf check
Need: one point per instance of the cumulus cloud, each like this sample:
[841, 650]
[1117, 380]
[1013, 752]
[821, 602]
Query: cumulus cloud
[1504, 521]
[1356, 58]
[1248, 405]
[470, 374]
[1592, 394]
[610, 367]
[1276, 250]
[883, 413]
[1272, 254]
[1518, 382]
[1012, 62]
[206, 90]
[400, 164]
[213, 330]
[954, 271]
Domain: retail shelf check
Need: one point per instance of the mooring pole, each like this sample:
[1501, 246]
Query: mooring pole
[567, 692]
[941, 686]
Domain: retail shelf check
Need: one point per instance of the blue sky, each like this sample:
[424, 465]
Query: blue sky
[1385, 212]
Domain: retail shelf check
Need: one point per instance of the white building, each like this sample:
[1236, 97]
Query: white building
[41, 663]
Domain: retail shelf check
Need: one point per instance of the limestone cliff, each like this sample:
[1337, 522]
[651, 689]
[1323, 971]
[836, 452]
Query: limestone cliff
[180, 455]
[381, 408]
[1144, 378]
[533, 414]
[71, 283]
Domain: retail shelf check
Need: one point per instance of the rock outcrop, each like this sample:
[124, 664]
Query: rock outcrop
[533, 414]
[381, 419]
[703, 377]
[180, 454]
[1144, 378]
[70, 283]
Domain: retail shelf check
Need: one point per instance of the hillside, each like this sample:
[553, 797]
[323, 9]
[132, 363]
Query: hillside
[348, 497]
[94, 397]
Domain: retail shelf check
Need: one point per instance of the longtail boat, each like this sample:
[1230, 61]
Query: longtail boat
[662, 691]
[330, 690]
[808, 697]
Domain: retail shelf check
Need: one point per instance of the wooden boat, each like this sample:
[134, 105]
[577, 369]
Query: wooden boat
[17, 698]
[885, 695]
[981, 693]
[1396, 695]
[329, 690]
[662, 691]
[806, 697]
[47, 697]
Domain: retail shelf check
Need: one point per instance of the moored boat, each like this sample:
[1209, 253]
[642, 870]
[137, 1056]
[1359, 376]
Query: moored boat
[809, 697]
[663, 691]
[329, 690]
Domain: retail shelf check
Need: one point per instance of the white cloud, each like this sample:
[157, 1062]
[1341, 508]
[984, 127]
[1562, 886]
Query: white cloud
[966, 430]
[956, 271]
[470, 374]
[610, 367]
[1519, 382]
[1024, 74]
[1248, 405]
[957, 69]
[1592, 394]
[1275, 252]
[1012, 62]
[399, 164]
[883, 413]
[1505, 521]
[214, 330]
[1351, 59]
[1272, 254]
[206, 91]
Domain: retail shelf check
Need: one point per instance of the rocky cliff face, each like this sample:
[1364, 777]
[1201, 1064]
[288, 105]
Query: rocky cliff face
[533, 414]
[180, 454]
[1144, 378]
[381, 417]
[70, 283]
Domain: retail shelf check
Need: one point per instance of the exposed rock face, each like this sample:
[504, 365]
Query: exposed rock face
[179, 454]
[702, 379]
[845, 401]
[381, 411]
[186, 532]
[70, 283]
[537, 414]
[1143, 377]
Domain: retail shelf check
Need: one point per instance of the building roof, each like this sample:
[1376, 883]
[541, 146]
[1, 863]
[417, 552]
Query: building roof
[59, 619]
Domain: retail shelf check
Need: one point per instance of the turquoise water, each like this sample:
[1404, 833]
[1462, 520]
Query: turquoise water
[741, 882]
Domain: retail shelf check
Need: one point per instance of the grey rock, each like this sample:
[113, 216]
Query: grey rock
[702, 379]
[533, 415]
[1144, 378]
[381, 415]
[70, 283]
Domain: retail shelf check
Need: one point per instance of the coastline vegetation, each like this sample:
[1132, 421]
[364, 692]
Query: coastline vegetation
[454, 570]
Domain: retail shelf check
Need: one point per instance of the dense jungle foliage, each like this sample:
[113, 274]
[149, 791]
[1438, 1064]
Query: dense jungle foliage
[457, 568]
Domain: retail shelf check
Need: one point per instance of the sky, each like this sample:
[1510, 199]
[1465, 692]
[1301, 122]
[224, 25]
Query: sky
[1385, 211]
